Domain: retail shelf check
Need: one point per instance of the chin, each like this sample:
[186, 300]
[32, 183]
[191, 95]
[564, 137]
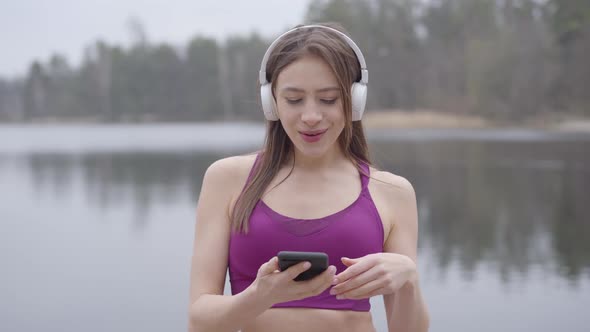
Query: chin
[312, 150]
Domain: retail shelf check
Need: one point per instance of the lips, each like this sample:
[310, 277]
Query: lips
[313, 132]
[312, 136]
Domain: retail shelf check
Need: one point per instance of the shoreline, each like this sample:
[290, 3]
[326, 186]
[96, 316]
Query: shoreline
[372, 120]
[426, 119]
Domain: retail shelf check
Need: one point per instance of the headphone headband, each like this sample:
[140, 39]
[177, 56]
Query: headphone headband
[350, 42]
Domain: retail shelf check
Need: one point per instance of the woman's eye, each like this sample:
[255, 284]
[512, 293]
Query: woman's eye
[328, 101]
[293, 101]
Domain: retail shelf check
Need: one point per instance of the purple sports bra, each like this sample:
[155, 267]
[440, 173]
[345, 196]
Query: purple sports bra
[352, 232]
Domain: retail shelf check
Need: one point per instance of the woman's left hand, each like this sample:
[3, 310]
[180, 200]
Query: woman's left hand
[374, 274]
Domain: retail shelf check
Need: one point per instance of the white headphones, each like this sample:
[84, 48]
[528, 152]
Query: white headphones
[358, 89]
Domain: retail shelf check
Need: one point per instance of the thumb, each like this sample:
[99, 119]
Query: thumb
[269, 267]
[349, 261]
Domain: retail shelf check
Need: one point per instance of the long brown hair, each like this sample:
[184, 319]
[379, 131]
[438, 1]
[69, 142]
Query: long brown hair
[278, 148]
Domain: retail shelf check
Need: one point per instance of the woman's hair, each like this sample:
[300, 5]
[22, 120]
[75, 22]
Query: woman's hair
[278, 148]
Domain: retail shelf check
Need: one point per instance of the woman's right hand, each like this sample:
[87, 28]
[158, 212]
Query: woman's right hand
[273, 286]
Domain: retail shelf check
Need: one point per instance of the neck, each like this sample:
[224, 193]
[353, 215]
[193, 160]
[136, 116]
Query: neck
[317, 163]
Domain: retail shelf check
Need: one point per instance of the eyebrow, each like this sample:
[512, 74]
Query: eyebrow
[294, 89]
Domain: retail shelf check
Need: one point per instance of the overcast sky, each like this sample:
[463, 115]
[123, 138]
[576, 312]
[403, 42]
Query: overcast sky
[35, 29]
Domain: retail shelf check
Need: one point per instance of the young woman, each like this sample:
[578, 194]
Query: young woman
[311, 188]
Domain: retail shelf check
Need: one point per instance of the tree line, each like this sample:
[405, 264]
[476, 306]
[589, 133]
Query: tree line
[503, 59]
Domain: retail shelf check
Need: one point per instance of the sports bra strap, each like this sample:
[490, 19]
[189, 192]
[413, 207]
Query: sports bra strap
[364, 177]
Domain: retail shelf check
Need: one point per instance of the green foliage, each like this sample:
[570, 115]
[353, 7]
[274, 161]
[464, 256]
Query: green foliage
[203, 85]
[508, 59]
[570, 19]
[243, 63]
[35, 92]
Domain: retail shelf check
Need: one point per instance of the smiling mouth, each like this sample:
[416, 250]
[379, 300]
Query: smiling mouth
[311, 134]
[312, 137]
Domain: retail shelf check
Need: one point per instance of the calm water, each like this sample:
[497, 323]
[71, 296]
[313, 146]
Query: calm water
[96, 224]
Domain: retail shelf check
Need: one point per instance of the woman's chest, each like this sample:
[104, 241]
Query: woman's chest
[312, 201]
[353, 232]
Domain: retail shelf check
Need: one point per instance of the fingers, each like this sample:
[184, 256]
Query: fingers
[281, 286]
[352, 271]
[348, 261]
[324, 280]
[365, 291]
[318, 284]
[355, 282]
[293, 271]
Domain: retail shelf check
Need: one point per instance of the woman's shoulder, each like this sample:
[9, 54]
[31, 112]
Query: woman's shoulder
[392, 185]
[231, 170]
[395, 199]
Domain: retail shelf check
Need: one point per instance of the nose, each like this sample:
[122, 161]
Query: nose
[311, 116]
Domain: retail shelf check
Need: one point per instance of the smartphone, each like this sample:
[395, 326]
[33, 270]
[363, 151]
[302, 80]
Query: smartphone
[318, 260]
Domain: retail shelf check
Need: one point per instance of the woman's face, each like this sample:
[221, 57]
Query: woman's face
[309, 104]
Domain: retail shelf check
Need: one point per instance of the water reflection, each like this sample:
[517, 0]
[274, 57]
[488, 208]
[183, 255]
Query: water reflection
[511, 207]
[111, 180]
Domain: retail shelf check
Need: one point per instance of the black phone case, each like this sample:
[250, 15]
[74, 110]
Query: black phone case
[318, 260]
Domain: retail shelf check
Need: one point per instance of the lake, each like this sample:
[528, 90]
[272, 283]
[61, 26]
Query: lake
[96, 224]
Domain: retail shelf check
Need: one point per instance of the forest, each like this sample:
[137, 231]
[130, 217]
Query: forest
[501, 59]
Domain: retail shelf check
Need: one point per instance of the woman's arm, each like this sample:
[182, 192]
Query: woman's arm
[391, 273]
[209, 310]
[405, 309]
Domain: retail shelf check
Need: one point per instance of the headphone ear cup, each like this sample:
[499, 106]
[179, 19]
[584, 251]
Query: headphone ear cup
[358, 95]
[268, 102]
